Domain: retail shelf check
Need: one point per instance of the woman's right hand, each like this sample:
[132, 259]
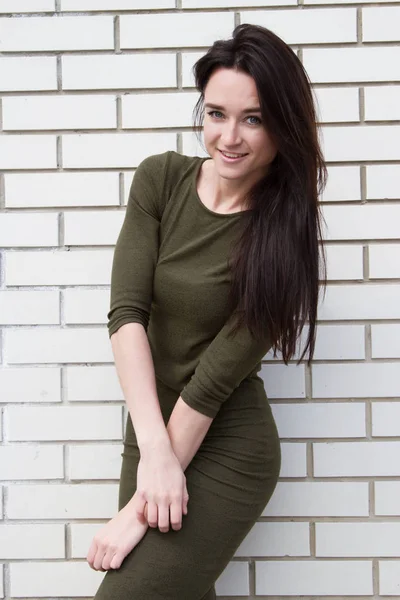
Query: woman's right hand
[116, 539]
[161, 483]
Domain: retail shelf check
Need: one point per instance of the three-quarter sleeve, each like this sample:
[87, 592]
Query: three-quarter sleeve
[222, 367]
[136, 250]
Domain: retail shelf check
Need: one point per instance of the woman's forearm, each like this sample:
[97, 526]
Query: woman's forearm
[186, 429]
[135, 369]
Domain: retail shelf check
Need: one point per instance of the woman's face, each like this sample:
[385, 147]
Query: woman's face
[232, 124]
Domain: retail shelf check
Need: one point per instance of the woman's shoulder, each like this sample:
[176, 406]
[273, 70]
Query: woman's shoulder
[170, 161]
[161, 173]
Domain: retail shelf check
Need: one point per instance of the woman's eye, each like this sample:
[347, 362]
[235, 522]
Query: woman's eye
[214, 113]
[258, 121]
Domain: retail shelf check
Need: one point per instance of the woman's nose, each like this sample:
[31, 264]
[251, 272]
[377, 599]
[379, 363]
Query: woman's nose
[230, 134]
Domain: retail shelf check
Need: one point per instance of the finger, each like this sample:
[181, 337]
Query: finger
[152, 514]
[98, 559]
[109, 555]
[91, 553]
[176, 515]
[185, 500]
[163, 518]
[117, 560]
[139, 507]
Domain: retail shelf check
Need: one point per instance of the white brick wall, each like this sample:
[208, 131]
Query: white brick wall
[88, 89]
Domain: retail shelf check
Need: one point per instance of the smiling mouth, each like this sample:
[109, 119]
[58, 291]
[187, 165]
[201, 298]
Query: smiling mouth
[233, 155]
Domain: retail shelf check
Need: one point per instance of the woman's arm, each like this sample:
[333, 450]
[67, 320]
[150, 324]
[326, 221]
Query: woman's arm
[135, 369]
[186, 428]
[161, 496]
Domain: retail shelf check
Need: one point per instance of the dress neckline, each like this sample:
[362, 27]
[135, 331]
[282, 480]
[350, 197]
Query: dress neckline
[236, 214]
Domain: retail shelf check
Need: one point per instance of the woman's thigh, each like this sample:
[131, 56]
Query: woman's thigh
[229, 482]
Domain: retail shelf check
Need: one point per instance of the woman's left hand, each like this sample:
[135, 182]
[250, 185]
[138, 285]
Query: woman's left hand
[117, 539]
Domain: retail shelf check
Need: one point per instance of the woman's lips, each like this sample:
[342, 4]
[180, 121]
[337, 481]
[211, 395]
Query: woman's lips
[230, 159]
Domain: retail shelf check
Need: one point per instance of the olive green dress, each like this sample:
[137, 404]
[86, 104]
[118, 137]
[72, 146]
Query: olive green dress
[170, 273]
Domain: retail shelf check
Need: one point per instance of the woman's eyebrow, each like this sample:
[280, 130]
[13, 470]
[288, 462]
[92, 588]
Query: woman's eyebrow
[247, 110]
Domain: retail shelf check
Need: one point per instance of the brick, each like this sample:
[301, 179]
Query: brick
[375, 142]
[92, 383]
[20, 461]
[318, 499]
[36, 423]
[384, 261]
[61, 189]
[83, 267]
[357, 539]
[382, 103]
[101, 461]
[62, 501]
[386, 418]
[59, 112]
[81, 538]
[283, 381]
[382, 182]
[90, 5]
[28, 73]
[92, 228]
[389, 577]
[294, 460]
[381, 24]
[30, 384]
[188, 60]
[343, 184]
[158, 110]
[329, 342]
[341, 1]
[29, 308]
[355, 381]
[49, 345]
[276, 539]
[28, 152]
[373, 221]
[360, 301]
[232, 3]
[234, 580]
[317, 26]
[26, 6]
[337, 104]
[54, 579]
[113, 149]
[387, 498]
[127, 176]
[191, 146]
[320, 420]
[174, 30]
[56, 33]
[344, 262]
[342, 65]
[32, 541]
[356, 459]
[314, 578]
[86, 306]
[124, 71]
[385, 340]
[29, 229]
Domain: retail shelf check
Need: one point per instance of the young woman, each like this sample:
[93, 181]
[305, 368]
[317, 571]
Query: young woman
[217, 262]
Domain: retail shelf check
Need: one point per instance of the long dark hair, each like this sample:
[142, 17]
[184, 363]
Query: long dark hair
[276, 261]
